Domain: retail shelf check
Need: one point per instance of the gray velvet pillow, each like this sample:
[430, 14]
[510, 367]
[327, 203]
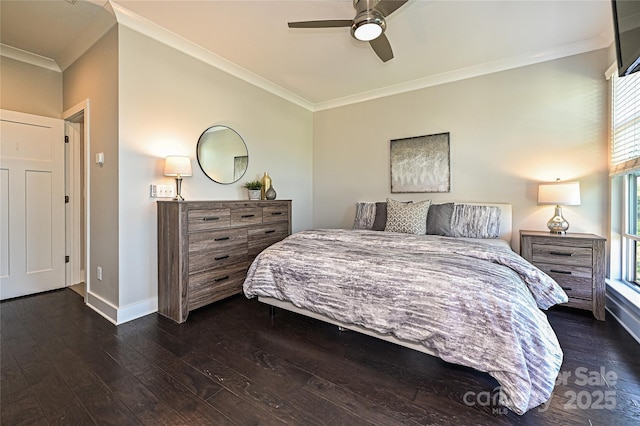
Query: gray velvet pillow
[439, 219]
[408, 218]
[380, 220]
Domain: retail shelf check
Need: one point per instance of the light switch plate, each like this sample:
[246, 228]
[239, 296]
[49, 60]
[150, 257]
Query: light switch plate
[162, 191]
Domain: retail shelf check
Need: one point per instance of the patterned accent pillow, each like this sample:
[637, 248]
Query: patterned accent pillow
[475, 221]
[365, 215]
[408, 218]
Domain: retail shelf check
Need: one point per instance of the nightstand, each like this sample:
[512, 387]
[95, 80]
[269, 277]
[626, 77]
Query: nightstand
[575, 261]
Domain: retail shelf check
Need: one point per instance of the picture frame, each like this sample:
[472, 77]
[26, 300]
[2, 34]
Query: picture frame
[420, 164]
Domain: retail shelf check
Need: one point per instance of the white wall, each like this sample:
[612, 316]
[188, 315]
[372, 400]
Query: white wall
[30, 89]
[166, 100]
[508, 131]
[94, 76]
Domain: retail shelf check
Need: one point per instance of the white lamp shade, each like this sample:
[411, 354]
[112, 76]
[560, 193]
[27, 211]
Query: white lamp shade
[176, 165]
[559, 193]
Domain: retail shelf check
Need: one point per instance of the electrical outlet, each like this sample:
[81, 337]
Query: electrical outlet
[99, 273]
[162, 191]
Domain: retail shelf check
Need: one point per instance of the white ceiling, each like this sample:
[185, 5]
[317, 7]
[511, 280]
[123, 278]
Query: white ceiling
[433, 40]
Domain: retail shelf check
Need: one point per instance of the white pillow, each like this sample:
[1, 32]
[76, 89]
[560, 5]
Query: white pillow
[408, 218]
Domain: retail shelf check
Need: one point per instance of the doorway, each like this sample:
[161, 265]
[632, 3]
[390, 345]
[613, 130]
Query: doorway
[76, 189]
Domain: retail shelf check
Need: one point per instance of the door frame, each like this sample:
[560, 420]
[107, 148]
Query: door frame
[81, 113]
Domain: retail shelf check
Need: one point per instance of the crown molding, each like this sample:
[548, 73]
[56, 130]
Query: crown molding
[101, 23]
[596, 43]
[144, 26]
[28, 57]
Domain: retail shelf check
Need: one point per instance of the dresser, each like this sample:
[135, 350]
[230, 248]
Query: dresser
[575, 261]
[206, 247]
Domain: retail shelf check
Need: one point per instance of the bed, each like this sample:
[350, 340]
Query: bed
[469, 301]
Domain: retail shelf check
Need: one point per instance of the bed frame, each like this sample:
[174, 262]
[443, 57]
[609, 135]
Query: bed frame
[505, 234]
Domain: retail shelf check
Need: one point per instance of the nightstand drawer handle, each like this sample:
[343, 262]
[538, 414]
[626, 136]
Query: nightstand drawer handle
[559, 253]
[560, 272]
[248, 215]
[222, 279]
[567, 288]
[221, 239]
[226, 256]
[276, 213]
[208, 218]
[271, 231]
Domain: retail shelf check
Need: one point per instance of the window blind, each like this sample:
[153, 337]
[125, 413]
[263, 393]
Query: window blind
[625, 125]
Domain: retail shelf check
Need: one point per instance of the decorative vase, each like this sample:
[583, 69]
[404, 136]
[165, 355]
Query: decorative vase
[270, 194]
[254, 194]
[266, 184]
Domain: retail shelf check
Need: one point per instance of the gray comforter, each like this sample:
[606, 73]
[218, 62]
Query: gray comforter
[467, 302]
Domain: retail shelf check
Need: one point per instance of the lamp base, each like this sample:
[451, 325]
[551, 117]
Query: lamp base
[558, 224]
[178, 197]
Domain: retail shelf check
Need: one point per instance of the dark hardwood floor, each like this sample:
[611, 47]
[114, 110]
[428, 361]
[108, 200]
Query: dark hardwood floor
[231, 363]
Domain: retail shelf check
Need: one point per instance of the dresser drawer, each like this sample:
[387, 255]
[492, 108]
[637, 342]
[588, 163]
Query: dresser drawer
[246, 216]
[261, 237]
[217, 240]
[217, 284]
[203, 220]
[214, 249]
[277, 213]
[562, 255]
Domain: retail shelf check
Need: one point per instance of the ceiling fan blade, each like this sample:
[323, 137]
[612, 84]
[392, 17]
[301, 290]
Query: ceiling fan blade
[387, 7]
[382, 47]
[321, 24]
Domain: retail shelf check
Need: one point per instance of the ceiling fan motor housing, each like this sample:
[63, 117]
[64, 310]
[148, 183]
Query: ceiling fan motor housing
[368, 24]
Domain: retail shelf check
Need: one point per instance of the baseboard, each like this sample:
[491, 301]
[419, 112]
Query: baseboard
[623, 310]
[137, 310]
[120, 315]
[102, 307]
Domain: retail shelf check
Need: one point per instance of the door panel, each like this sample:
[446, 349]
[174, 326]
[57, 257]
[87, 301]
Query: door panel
[32, 214]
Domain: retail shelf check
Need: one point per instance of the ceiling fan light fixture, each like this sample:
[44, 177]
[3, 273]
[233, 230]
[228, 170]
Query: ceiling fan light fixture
[368, 26]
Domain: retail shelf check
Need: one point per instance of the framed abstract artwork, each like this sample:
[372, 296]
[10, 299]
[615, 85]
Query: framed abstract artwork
[420, 164]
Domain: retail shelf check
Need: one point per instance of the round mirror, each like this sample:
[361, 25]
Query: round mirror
[222, 154]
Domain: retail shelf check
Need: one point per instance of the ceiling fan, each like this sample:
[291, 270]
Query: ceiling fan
[368, 25]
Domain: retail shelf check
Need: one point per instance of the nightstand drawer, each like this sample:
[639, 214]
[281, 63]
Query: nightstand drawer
[562, 255]
[579, 288]
[561, 271]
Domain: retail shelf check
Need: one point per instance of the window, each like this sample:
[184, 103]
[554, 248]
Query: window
[625, 161]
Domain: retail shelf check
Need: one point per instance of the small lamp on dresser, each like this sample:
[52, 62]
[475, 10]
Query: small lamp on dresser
[560, 194]
[177, 166]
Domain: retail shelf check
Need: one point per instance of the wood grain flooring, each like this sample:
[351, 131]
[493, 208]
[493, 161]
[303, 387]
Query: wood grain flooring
[232, 363]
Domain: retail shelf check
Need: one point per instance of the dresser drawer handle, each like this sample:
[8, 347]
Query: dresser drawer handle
[226, 256]
[559, 253]
[226, 277]
[248, 215]
[276, 213]
[221, 239]
[270, 231]
[209, 218]
[567, 288]
[560, 272]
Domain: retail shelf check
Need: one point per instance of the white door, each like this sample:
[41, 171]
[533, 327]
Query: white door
[32, 222]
